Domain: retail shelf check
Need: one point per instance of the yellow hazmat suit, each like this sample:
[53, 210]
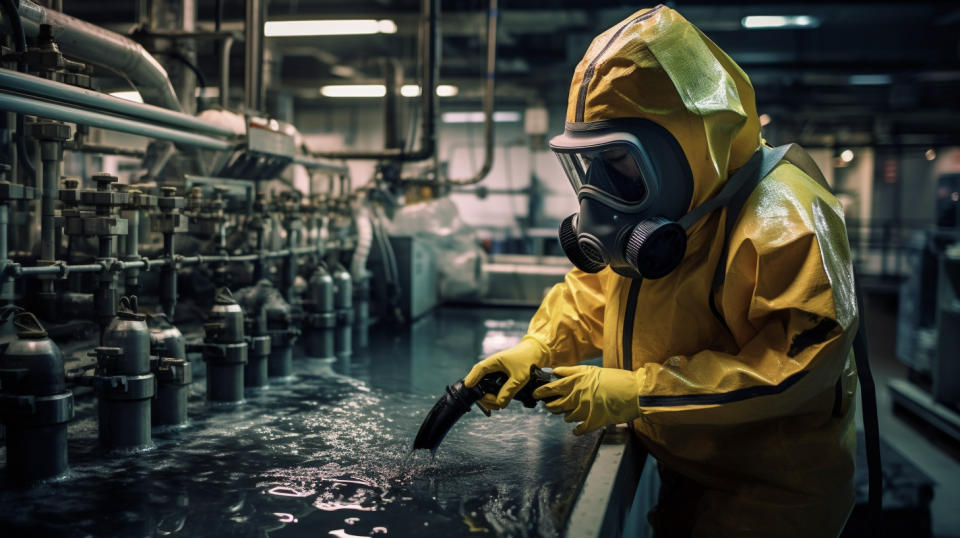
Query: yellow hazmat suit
[752, 416]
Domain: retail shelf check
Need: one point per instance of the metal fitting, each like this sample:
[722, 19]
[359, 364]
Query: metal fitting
[50, 130]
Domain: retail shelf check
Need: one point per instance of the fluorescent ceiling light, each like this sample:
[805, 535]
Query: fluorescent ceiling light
[443, 90]
[502, 116]
[379, 90]
[329, 27]
[779, 21]
[870, 80]
[132, 95]
[354, 90]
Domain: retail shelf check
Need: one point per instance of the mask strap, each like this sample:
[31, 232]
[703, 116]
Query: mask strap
[762, 162]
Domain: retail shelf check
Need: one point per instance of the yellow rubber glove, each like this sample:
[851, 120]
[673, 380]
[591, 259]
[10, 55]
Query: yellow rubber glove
[594, 396]
[515, 362]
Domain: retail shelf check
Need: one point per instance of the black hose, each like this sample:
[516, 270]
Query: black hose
[10, 10]
[871, 426]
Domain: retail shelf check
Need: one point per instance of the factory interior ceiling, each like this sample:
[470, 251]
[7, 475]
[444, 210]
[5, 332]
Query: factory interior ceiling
[878, 73]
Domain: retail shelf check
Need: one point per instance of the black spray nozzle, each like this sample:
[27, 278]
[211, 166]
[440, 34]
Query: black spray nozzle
[458, 398]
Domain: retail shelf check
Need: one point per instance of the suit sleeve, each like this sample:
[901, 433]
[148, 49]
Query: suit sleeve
[569, 322]
[787, 301]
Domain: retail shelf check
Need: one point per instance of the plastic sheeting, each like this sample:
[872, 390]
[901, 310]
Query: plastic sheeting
[453, 242]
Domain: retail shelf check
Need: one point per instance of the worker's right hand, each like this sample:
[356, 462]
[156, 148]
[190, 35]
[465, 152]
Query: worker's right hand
[516, 363]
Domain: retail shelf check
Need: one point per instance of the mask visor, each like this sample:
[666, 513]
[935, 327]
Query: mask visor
[626, 168]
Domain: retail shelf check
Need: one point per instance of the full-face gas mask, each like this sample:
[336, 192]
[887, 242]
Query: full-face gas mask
[633, 183]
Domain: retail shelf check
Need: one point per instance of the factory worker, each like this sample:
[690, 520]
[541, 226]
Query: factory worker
[727, 351]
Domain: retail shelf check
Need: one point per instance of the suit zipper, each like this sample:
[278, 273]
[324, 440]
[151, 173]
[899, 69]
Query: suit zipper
[629, 317]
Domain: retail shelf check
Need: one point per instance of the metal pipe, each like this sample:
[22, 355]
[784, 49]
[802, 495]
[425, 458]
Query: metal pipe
[429, 60]
[393, 74]
[6, 283]
[51, 156]
[106, 150]
[92, 44]
[188, 48]
[488, 95]
[168, 279]
[166, 261]
[49, 89]
[28, 105]
[253, 56]
[322, 166]
[225, 47]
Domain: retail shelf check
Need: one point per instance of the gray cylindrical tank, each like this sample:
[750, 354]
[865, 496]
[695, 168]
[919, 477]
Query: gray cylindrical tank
[259, 342]
[343, 302]
[322, 320]
[361, 306]
[283, 334]
[225, 349]
[124, 382]
[258, 352]
[173, 371]
[34, 403]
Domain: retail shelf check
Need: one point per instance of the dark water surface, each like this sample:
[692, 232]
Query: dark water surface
[327, 454]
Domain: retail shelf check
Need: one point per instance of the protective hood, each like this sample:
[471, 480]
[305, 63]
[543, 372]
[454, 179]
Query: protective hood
[656, 65]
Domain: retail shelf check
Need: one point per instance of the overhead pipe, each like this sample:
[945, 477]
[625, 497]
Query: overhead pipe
[30, 105]
[92, 44]
[488, 95]
[253, 57]
[430, 67]
[58, 91]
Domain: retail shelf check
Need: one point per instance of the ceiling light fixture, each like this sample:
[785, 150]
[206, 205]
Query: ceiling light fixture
[503, 116]
[846, 155]
[754, 22]
[443, 90]
[353, 90]
[328, 27]
[379, 90]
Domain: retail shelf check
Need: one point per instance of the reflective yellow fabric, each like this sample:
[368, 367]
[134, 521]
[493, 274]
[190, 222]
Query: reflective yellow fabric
[752, 416]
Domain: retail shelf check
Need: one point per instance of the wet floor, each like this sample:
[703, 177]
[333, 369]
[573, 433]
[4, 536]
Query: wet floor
[328, 454]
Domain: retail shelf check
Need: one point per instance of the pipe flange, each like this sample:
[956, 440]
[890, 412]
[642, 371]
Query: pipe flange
[33, 411]
[125, 387]
[174, 372]
[258, 346]
[325, 320]
[226, 353]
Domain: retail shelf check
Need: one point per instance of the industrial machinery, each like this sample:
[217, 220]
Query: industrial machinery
[927, 340]
[134, 272]
[187, 252]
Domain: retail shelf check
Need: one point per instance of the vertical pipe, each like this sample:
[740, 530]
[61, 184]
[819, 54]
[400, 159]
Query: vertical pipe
[488, 97]
[52, 154]
[225, 47]
[392, 73]
[188, 47]
[253, 56]
[6, 284]
[131, 249]
[168, 280]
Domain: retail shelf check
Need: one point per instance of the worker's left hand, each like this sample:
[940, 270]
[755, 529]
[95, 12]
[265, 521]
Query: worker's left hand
[594, 396]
